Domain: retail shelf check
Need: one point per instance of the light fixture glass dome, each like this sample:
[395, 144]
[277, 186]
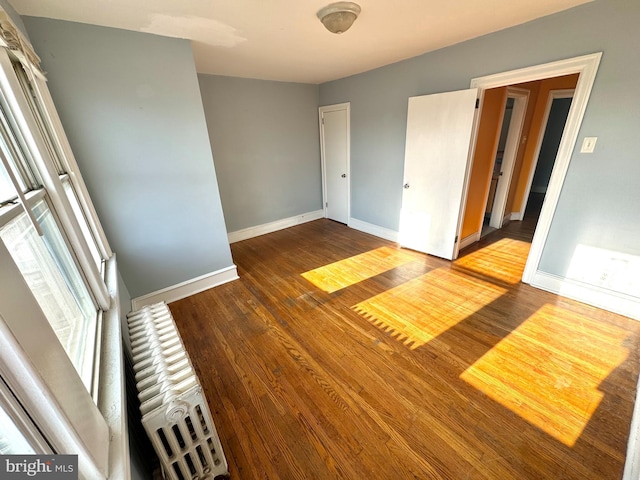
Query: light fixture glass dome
[338, 17]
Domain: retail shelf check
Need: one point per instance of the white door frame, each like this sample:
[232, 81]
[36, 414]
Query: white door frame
[333, 108]
[553, 94]
[587, 67]
[521, 100]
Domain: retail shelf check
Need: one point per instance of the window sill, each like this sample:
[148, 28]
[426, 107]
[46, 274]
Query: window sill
[111, 387]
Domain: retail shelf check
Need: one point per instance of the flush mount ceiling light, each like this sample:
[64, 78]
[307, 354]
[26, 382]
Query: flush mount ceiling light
[338, 17]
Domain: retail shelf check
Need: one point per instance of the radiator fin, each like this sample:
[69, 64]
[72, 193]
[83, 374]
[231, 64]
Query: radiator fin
[174, 411]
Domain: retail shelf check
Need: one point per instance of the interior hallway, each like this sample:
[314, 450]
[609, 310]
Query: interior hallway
[339, 355]
[521, 230]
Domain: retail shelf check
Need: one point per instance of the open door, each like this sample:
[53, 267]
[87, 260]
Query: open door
[439, 132]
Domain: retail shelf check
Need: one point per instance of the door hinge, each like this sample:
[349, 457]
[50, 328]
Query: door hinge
[326, 204]
[323, 120]
[456, 239]
[477, 103]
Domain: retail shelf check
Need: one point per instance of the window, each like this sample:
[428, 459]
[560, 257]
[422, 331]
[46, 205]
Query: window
[39, 245]
[12, 441]
[18, 435]
[72, 196]
[7, 190]
[57, 156]
[14, 175]
[56, 312]
[48, 268]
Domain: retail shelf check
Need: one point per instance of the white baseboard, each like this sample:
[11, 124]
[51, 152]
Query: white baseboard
[516, 216]
[620, 303]
[468, 240]
[185, 289]
[265, 228]
[372, 229]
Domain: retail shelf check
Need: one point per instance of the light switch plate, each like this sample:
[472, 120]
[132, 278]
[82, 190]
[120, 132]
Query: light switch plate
[588, 144]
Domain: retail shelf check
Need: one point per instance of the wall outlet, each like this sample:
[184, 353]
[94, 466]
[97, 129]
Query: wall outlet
[588, 144]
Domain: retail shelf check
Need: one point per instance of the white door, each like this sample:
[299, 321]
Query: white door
[513, 142]
[439, 129]
[334, 138]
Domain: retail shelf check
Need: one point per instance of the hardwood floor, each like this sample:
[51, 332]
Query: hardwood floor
[338, 355]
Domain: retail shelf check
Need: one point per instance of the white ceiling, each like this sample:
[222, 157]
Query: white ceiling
[283, 39]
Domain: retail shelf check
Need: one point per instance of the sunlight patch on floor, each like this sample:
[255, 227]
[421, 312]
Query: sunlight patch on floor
[503, 260]
[548, 370]
[423, 308]
[352, 270]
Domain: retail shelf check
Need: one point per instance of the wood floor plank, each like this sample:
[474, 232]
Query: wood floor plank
[338, 355]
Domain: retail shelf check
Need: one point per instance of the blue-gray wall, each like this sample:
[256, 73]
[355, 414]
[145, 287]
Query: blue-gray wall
[600, 199]
[266, 148]
[131, 107]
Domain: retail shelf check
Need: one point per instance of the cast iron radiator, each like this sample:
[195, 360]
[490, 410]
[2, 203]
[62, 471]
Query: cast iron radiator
[175, 413]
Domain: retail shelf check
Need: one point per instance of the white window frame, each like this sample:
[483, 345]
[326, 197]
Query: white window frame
[21, 111]
[43, 379]
[38, 82]
[33, 363]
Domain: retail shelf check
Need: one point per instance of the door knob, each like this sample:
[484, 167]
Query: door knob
[406, 185]
[344, 175]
